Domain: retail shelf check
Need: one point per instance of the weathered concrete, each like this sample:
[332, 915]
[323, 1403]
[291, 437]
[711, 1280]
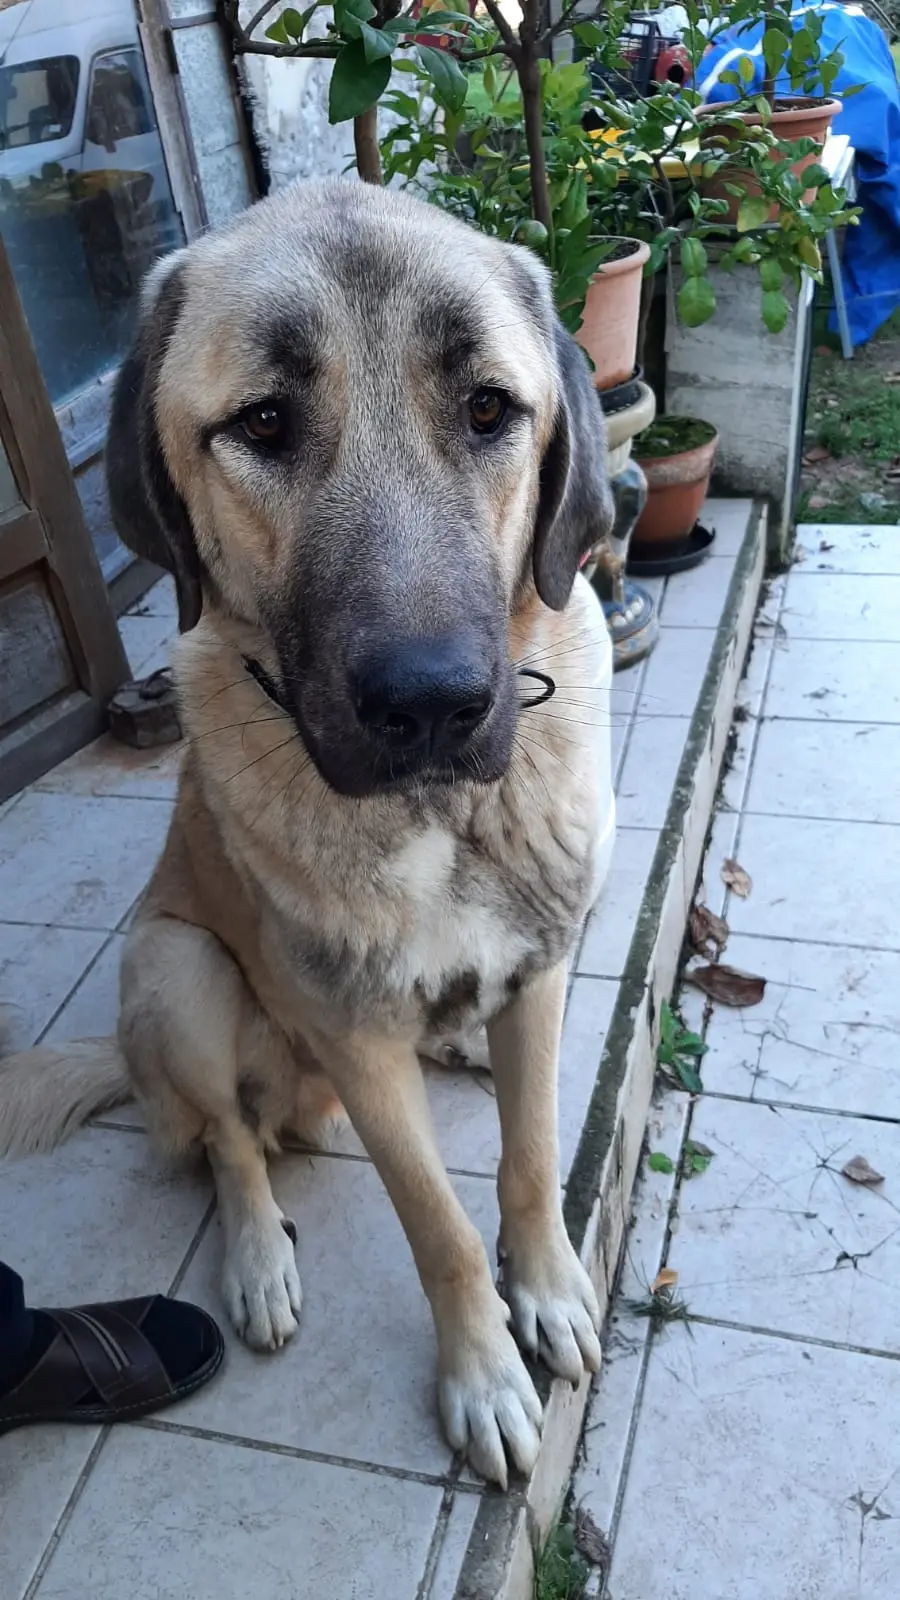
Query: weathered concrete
[750, 384]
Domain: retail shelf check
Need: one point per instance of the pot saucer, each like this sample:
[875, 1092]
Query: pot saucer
[649, 562]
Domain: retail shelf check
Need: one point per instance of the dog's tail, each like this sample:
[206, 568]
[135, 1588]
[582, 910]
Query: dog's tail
[46, 1095]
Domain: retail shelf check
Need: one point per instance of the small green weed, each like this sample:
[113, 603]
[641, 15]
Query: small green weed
[680, 1052]
[696, 1158]
[560, 1574]
[660, 1162]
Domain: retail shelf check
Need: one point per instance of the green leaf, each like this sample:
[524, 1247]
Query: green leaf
[808, 251]
[375, 42]
[775, 45]
[733, 79]
[696, 302]
[356, 84]
[350, 14]
[697, 1158]
[295, 22]
[691, 1044]
[693, 258]
[770, 274]
[753, 212]
[277, 32]
[764, 109]
[689, 1075]
[746, 69]
[774, 310]
[659, 1162]
[446, 75]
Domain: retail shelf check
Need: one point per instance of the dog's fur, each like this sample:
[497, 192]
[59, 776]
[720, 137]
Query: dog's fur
[319, 919]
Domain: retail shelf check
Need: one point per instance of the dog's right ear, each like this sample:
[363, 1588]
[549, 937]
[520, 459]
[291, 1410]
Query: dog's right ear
[149, 514]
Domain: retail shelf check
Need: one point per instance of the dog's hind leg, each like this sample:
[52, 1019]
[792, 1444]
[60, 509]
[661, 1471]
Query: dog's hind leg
[194, 1038]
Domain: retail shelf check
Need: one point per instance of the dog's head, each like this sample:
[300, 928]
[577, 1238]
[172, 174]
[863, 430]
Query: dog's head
[357, 425]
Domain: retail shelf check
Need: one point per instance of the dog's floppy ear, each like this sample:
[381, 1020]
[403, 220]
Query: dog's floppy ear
[575, 507]
[150, 516]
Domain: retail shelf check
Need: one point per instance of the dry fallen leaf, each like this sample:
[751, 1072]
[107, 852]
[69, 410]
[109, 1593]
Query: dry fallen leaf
[824, 545]
[709, 932]
[817, 502]
[736, 878]
[891, 377]
[859, 1171]
[816, 452]
[665, 1279]
[590, 1540]
[728, 985]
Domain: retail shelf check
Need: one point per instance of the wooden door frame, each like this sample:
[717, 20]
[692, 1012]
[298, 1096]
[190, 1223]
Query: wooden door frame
[51, 530]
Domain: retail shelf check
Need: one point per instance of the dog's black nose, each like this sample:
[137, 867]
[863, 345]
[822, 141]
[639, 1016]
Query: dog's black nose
[429, 694]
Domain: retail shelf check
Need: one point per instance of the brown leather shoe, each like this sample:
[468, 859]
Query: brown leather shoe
[117, 1361]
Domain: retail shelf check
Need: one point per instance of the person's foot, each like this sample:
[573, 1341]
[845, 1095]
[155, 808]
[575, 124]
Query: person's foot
[110, 1362]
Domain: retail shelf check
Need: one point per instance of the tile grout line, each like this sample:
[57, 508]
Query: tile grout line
[86, 971]
[66, 1515]
[436, 1545]
[804, 816]
[792, 1338]
[375, 1469]
[794, 1105]
[751, 753]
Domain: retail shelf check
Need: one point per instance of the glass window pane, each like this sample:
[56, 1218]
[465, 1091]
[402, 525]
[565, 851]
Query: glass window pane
[85, 203]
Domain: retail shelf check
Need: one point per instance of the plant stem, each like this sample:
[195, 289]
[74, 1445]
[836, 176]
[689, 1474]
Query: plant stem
[768, 87]
[365, 144]
[527, 63]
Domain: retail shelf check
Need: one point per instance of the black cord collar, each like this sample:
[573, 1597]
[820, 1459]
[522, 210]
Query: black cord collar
[264, 681]
[547, 693]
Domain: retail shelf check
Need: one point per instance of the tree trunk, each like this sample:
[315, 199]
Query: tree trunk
[529, 74]
[365, 144]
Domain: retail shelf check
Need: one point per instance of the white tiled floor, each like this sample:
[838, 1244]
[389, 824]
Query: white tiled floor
[321, 1471]
[751, 1444]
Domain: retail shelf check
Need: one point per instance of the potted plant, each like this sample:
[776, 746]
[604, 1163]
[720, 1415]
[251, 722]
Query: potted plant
[676, 456]
[787, 123]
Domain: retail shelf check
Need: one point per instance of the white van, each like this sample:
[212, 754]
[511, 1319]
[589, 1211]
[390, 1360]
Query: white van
[74, 90]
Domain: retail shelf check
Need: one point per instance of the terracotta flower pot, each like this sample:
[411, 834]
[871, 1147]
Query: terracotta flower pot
[793, 118]
[609, 326]
[677, 482]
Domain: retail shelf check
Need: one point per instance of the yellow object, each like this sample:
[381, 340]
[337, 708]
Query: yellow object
[673, 166]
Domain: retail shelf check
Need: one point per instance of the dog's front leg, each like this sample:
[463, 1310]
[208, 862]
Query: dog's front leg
[487, 1398]
[260, 1284]
[554, 1307]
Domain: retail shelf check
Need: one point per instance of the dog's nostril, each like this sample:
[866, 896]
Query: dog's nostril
[467, 718]
[397, 726]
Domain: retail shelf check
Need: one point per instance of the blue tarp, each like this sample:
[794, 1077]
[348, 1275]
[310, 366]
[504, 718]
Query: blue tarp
[871, 119]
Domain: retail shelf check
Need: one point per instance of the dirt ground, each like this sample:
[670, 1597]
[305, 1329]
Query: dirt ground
[851, 460]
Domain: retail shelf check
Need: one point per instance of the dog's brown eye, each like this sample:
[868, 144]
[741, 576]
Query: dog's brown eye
[487, 408]
[265, 424]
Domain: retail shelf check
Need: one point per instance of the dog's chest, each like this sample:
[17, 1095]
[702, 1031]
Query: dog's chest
[435, 935]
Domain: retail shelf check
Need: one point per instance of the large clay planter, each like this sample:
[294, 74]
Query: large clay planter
[793, 118]
[677, 486]
[609, 327]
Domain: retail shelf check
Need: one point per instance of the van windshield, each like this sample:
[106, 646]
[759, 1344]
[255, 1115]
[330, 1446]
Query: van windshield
[37, 101]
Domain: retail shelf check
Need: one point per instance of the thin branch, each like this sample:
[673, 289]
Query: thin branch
[504, 28]
[562, 22]
[319, 50]
[259, 16]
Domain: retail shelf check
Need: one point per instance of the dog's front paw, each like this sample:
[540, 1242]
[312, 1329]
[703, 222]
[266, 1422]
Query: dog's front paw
[260, 1283]
[554, 1309]
[489, 1405]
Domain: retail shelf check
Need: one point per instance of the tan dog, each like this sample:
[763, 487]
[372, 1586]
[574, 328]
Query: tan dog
[357, 434]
